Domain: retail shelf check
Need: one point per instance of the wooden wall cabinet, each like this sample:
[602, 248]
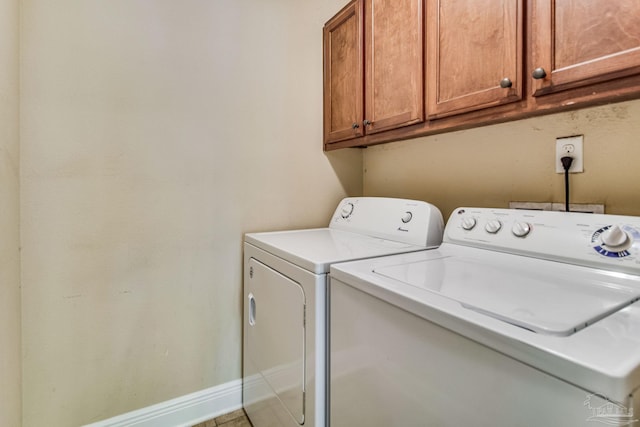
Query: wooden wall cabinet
[343, 75]
[373, 75]
[483, 62]
[474, 55]
[577, 43]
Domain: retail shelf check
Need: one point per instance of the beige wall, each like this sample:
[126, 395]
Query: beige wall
[10, 369]
[154, 134]
[493, 165]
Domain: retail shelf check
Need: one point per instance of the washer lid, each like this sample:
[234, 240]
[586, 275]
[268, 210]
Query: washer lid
[316, 249]
[542, 296]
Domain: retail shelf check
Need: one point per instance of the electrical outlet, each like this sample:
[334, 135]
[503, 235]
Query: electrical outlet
[570, 146]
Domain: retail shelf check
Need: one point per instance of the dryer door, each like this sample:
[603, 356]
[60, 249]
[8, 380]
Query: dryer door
[276, 337]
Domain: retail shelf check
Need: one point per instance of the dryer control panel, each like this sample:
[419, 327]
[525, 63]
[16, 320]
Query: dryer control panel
[408, 221]
[607, 241]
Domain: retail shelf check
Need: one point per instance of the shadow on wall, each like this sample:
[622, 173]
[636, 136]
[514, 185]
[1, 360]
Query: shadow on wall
[347, 164]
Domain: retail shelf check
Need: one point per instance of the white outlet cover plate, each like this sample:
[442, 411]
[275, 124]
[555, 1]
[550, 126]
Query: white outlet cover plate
[565, 144]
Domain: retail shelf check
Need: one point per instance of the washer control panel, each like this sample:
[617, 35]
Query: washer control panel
[607, 241]
[407, 221]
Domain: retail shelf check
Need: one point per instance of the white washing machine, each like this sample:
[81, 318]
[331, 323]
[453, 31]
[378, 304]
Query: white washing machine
[520, 318]
[285, 284]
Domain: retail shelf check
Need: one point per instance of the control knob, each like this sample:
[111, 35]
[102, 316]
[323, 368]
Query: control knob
[521, 229]
[347, 210]
[493, 226]
[406, 217]
[468, 223]
[614, 237]
[614, 241]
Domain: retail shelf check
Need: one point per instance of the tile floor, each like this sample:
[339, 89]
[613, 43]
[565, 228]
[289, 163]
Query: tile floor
[233, 419]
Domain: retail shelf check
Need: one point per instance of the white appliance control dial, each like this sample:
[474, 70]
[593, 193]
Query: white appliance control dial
[407, 217]
[614, 237]
[347, 210]
[614, 241]
[521, 229]
[493, 226]
[468, 223]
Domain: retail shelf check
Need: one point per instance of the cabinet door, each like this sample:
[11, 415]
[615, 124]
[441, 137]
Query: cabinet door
[393, 64]
[577, 42]
[474, 54]
[343, 75]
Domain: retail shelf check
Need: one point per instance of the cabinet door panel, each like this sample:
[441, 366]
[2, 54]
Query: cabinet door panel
[343, 75]
[471, 47]
[394, 63]
[581, 42]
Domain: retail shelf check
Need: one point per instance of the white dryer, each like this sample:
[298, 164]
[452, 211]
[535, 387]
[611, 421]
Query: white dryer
[520, 318]
[285, 285]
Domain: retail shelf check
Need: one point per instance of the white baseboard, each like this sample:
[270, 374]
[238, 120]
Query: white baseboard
[182, 411]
